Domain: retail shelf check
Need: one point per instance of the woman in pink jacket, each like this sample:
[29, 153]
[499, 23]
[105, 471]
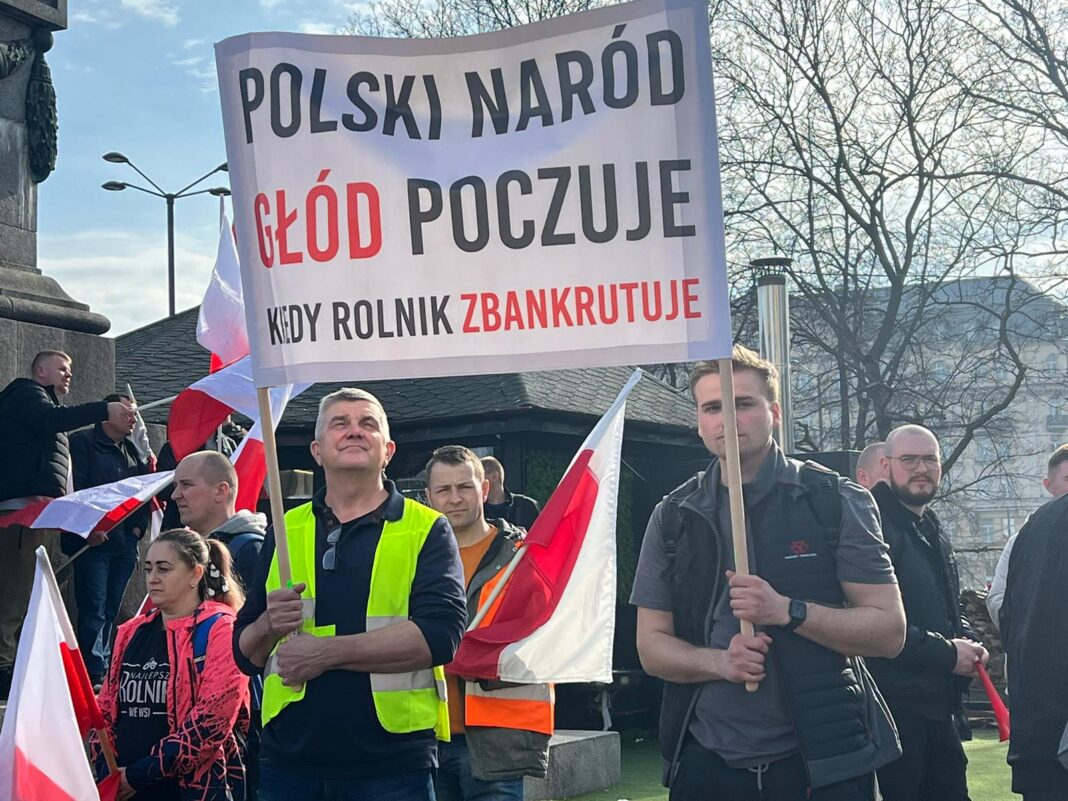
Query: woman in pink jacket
[174, 700]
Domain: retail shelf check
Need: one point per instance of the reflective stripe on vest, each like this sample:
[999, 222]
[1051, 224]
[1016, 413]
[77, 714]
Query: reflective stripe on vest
[525, 706]
[404, 702]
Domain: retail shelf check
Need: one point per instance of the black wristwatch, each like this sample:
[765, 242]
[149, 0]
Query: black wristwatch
[798, 613]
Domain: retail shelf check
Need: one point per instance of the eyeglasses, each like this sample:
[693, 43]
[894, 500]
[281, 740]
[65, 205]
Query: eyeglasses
[911, 462]
[330, 557]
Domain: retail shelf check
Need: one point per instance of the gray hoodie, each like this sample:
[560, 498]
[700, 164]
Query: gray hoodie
[247, 556]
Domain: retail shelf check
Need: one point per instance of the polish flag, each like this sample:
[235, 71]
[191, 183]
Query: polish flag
[200, 409]
[555, 618]
[221, 322]
[92, 509]
[249, 460]
[42, 756]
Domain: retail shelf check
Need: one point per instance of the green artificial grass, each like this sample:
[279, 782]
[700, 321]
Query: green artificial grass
[988, 774]
[989, 777]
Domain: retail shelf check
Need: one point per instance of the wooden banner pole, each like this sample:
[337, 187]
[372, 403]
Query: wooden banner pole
[733, 467]
[274, 486]
[108, 750]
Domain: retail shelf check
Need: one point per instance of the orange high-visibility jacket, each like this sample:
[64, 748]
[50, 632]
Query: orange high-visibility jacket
[528, 707]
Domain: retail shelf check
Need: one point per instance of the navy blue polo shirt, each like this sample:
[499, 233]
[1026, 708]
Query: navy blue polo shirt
[334, 731]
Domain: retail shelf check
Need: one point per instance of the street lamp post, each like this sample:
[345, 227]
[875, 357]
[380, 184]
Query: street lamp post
[169, 197]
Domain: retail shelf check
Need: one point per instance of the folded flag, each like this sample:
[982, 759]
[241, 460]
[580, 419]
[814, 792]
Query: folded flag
[221, 321]
[51, 706]
[555, 618]
[139, 436]
[1001, 713]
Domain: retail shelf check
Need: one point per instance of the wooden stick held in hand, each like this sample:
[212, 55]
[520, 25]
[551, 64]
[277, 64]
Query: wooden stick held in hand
[732, 466]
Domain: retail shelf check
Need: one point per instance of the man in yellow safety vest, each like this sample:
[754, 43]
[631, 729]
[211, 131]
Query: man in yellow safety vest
[351, 651]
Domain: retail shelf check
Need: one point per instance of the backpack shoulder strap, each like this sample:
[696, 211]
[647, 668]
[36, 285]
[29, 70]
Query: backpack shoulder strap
[821, 489]
[670, 523]
[200, 640]
[241, 540]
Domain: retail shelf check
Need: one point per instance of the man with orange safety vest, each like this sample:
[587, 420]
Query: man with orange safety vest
[500, 732]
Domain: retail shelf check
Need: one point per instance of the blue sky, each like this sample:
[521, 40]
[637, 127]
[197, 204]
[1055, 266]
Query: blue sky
[138, 76]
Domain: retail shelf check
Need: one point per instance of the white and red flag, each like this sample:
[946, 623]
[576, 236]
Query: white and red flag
[201, 408]
[555, 618]
[51, 707]
[91, 509]
[221, 322]
[249, 459]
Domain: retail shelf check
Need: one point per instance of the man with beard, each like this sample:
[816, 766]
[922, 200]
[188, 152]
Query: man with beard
[925, 683]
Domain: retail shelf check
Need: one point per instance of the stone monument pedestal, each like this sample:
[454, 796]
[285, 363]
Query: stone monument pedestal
[35, 313]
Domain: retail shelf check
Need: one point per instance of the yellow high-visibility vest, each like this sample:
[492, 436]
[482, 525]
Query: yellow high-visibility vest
[404, 702]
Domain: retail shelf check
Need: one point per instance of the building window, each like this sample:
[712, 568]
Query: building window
[988, 526]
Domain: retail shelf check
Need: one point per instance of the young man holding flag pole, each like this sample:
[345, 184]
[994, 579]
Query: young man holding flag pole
[815, 727]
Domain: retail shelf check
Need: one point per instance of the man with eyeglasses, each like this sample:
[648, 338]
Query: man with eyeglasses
[925, 684]
[354, 692]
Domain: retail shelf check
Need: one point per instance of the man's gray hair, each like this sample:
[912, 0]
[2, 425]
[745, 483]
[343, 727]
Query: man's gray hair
[348, 394]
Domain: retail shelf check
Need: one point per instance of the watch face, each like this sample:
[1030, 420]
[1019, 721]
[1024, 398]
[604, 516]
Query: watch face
[798, 611]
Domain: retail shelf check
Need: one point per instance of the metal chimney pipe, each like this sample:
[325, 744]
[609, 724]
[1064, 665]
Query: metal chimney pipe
[773, 316]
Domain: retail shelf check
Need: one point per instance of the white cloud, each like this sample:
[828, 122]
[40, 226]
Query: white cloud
[96, 16]
[192, 61]
[153, 9]
[270, 4]
[189, 44]
[309, 26]
[123, 274]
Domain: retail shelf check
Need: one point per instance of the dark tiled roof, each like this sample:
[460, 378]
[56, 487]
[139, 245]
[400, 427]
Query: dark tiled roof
[161, 359]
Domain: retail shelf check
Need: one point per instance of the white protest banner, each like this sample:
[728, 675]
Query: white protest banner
[542, 197]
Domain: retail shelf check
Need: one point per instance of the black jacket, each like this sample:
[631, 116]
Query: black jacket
[519, 510]
[842, 726]
[1034, 628]
[34, 452]
[920, 680]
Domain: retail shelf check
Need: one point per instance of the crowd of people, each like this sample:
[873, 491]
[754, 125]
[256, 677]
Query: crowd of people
[335, 684]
